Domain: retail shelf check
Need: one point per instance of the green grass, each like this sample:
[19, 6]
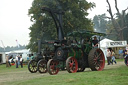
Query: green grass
[4, 69]
[116, 76]
[118, 60]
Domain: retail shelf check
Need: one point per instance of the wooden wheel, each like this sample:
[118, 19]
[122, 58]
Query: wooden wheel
[32, 66]
[42, 66]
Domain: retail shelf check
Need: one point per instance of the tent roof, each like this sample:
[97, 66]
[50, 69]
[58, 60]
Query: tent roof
[103, 43]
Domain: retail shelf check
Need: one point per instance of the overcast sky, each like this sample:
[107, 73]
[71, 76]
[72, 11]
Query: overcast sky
[14, 21]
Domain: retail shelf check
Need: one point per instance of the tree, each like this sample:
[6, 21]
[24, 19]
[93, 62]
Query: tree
[43, 26]
[119, 24]
[100, 23]
[125, 31]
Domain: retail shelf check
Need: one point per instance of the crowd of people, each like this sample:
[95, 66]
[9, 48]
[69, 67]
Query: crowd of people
[123, 53]
[110, 56]
[18, 61]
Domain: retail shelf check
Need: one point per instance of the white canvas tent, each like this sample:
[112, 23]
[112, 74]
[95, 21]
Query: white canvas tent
[106, 43]
[25, 53]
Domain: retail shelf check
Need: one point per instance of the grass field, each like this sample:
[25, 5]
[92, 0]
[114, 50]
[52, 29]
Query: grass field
[116, 74]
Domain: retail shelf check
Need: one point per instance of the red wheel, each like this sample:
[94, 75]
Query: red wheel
[96, 60]
[52, 67]
[71, 65]
[42, 66]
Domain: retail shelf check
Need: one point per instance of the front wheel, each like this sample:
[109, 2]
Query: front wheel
[96, 59]
[71, 65]
[52, 67]
[32, 66]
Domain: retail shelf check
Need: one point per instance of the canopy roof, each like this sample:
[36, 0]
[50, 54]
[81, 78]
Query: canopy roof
[83, 33]
[104, 42]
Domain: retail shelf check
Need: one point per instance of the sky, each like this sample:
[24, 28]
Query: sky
[102, 6]
[14, 19]
[14, 22]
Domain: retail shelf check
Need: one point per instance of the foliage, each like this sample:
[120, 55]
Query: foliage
[119, 23]
[125, 31]
[103, 25]
[100, 23]
[43, 25]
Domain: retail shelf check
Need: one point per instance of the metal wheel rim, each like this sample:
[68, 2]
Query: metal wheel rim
[99, 60]
[32, 66]
[42, 66]
[52, 67]
[72, 65]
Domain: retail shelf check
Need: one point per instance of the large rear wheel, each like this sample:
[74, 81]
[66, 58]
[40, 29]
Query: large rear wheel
[42, 66]
[71, 65]
[96, 59]
[32, 66]
[52, 67]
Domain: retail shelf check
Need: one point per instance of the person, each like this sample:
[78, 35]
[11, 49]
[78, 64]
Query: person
[126, 58]
[7, 61]
[17, 61]
[108, 56]
[69, 42]
[124, 52]
[32, 57]
[21, 61]
[120, 53]
[113, 56]
[86, 41]
[95, 42]
[28, 58]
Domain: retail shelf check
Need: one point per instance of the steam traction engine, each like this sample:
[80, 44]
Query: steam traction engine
[73, 55]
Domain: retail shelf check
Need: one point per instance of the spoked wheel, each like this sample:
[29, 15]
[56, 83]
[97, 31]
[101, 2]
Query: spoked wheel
[42, 66]
[52, 67]
[96, 59]
[32, 66]
[71, 65]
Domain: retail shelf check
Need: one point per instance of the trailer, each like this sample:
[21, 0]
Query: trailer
[2, 57]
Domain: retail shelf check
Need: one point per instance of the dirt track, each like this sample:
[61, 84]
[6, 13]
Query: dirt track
[25, 75]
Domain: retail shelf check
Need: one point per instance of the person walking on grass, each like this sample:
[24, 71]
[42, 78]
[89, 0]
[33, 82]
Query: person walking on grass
[113, 57]
[108, 56]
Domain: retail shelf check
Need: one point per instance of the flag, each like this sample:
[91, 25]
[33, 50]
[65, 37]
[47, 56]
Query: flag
[17, 44]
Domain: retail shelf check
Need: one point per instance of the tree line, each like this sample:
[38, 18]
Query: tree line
[12, 48]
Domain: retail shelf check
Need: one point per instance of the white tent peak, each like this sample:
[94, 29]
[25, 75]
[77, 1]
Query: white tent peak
[103, 43]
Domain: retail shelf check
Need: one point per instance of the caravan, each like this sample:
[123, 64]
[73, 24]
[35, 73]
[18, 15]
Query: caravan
[2, 58]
